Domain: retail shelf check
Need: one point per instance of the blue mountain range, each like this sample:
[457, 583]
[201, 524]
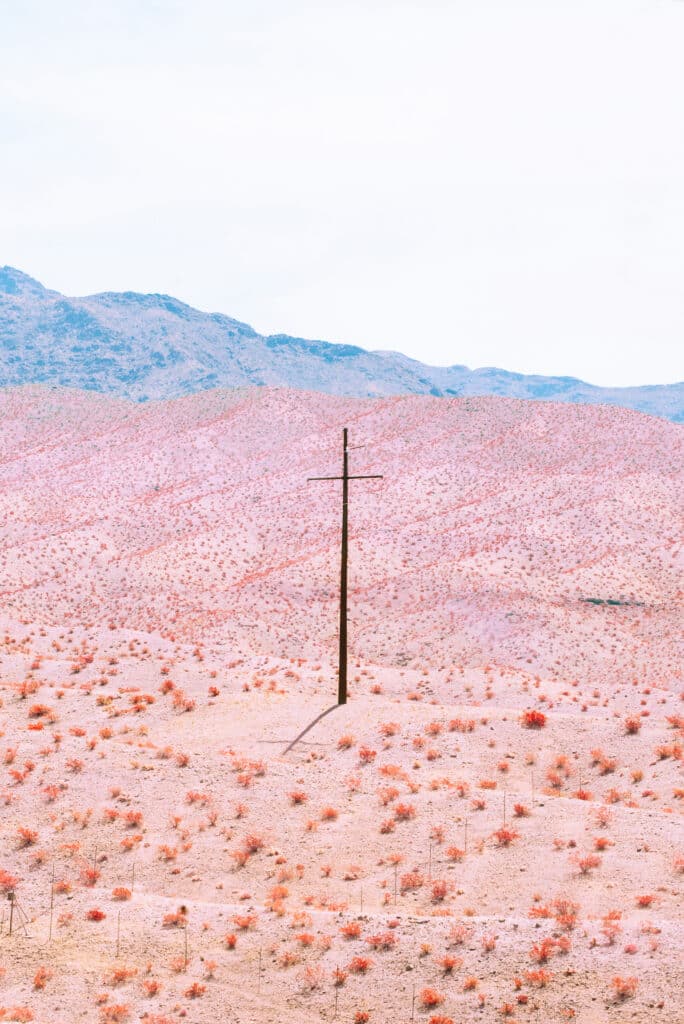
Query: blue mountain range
[146, 347]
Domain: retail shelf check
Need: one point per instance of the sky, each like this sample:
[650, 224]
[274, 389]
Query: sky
[482, 182]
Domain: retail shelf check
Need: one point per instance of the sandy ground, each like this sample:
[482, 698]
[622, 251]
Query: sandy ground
[168, 628]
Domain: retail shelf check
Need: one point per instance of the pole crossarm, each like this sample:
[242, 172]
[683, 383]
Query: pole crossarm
[368, 476]
[345, 478]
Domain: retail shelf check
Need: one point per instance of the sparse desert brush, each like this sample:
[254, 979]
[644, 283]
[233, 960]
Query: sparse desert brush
[411, 881]
[449, 963]
[16, 1013]
[89, 875]
[297, 796]
[245, 921]
[352, 930]
[610, 926]
[114, 1013]
[175, 919]
[360, 964]
[488, 942]
[41, 977]
[632, 724]
[382, 940]
[253, 842]
[439, 890]
[195, 991]
[607, 765]
[533, 719]
[624, 988]
[505, 836]
[230, 940]
[366, 755]
[388, 729]
[312, 977]
[386, 794]
[603, 816]
[329, 813]
[565, 912]
[542, 952]
[277, 894]
[121, 893]
[539, 977]
[521, 810]
[430, 997]
[437, 834]
[585, 862]
[645, 900]
[95, 914]
[119, 975]
[345, 742]
[470, 983]
[455, 853]
[361, 1017]
[27, 836]
[462, 725]
[404, 812]
[459, 934]
[151, 987]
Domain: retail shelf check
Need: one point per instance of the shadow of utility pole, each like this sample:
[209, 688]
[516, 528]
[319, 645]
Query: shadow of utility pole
[309, 727]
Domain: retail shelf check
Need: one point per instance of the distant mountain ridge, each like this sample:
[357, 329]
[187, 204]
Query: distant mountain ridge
[145, 347]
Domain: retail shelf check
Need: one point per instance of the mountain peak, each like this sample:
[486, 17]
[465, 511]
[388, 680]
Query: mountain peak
[16, 282]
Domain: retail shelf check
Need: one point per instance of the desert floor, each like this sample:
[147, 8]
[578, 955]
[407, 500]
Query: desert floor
[491, 828]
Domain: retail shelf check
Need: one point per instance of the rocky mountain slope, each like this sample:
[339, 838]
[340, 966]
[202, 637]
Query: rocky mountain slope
[153, 346]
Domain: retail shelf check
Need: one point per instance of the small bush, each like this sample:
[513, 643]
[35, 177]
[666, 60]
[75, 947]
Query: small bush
[533, 719]
[430, 997]
[624, 988]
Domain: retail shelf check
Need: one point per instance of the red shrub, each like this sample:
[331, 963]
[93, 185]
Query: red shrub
[195, 990]
[533, 719]
[360, 964]
[430, 997]
[624, 988]
[505, 836]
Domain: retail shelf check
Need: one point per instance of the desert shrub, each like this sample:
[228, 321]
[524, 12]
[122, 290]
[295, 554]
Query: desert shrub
[533, 719]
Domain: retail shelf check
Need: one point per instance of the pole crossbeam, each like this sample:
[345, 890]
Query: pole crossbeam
[345, 478]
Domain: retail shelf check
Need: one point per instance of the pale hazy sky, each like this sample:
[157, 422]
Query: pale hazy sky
[489, 182]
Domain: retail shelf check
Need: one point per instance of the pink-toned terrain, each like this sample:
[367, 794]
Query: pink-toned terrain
[168, 625]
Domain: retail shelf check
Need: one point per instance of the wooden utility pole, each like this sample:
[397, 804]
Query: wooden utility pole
[345, 478]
